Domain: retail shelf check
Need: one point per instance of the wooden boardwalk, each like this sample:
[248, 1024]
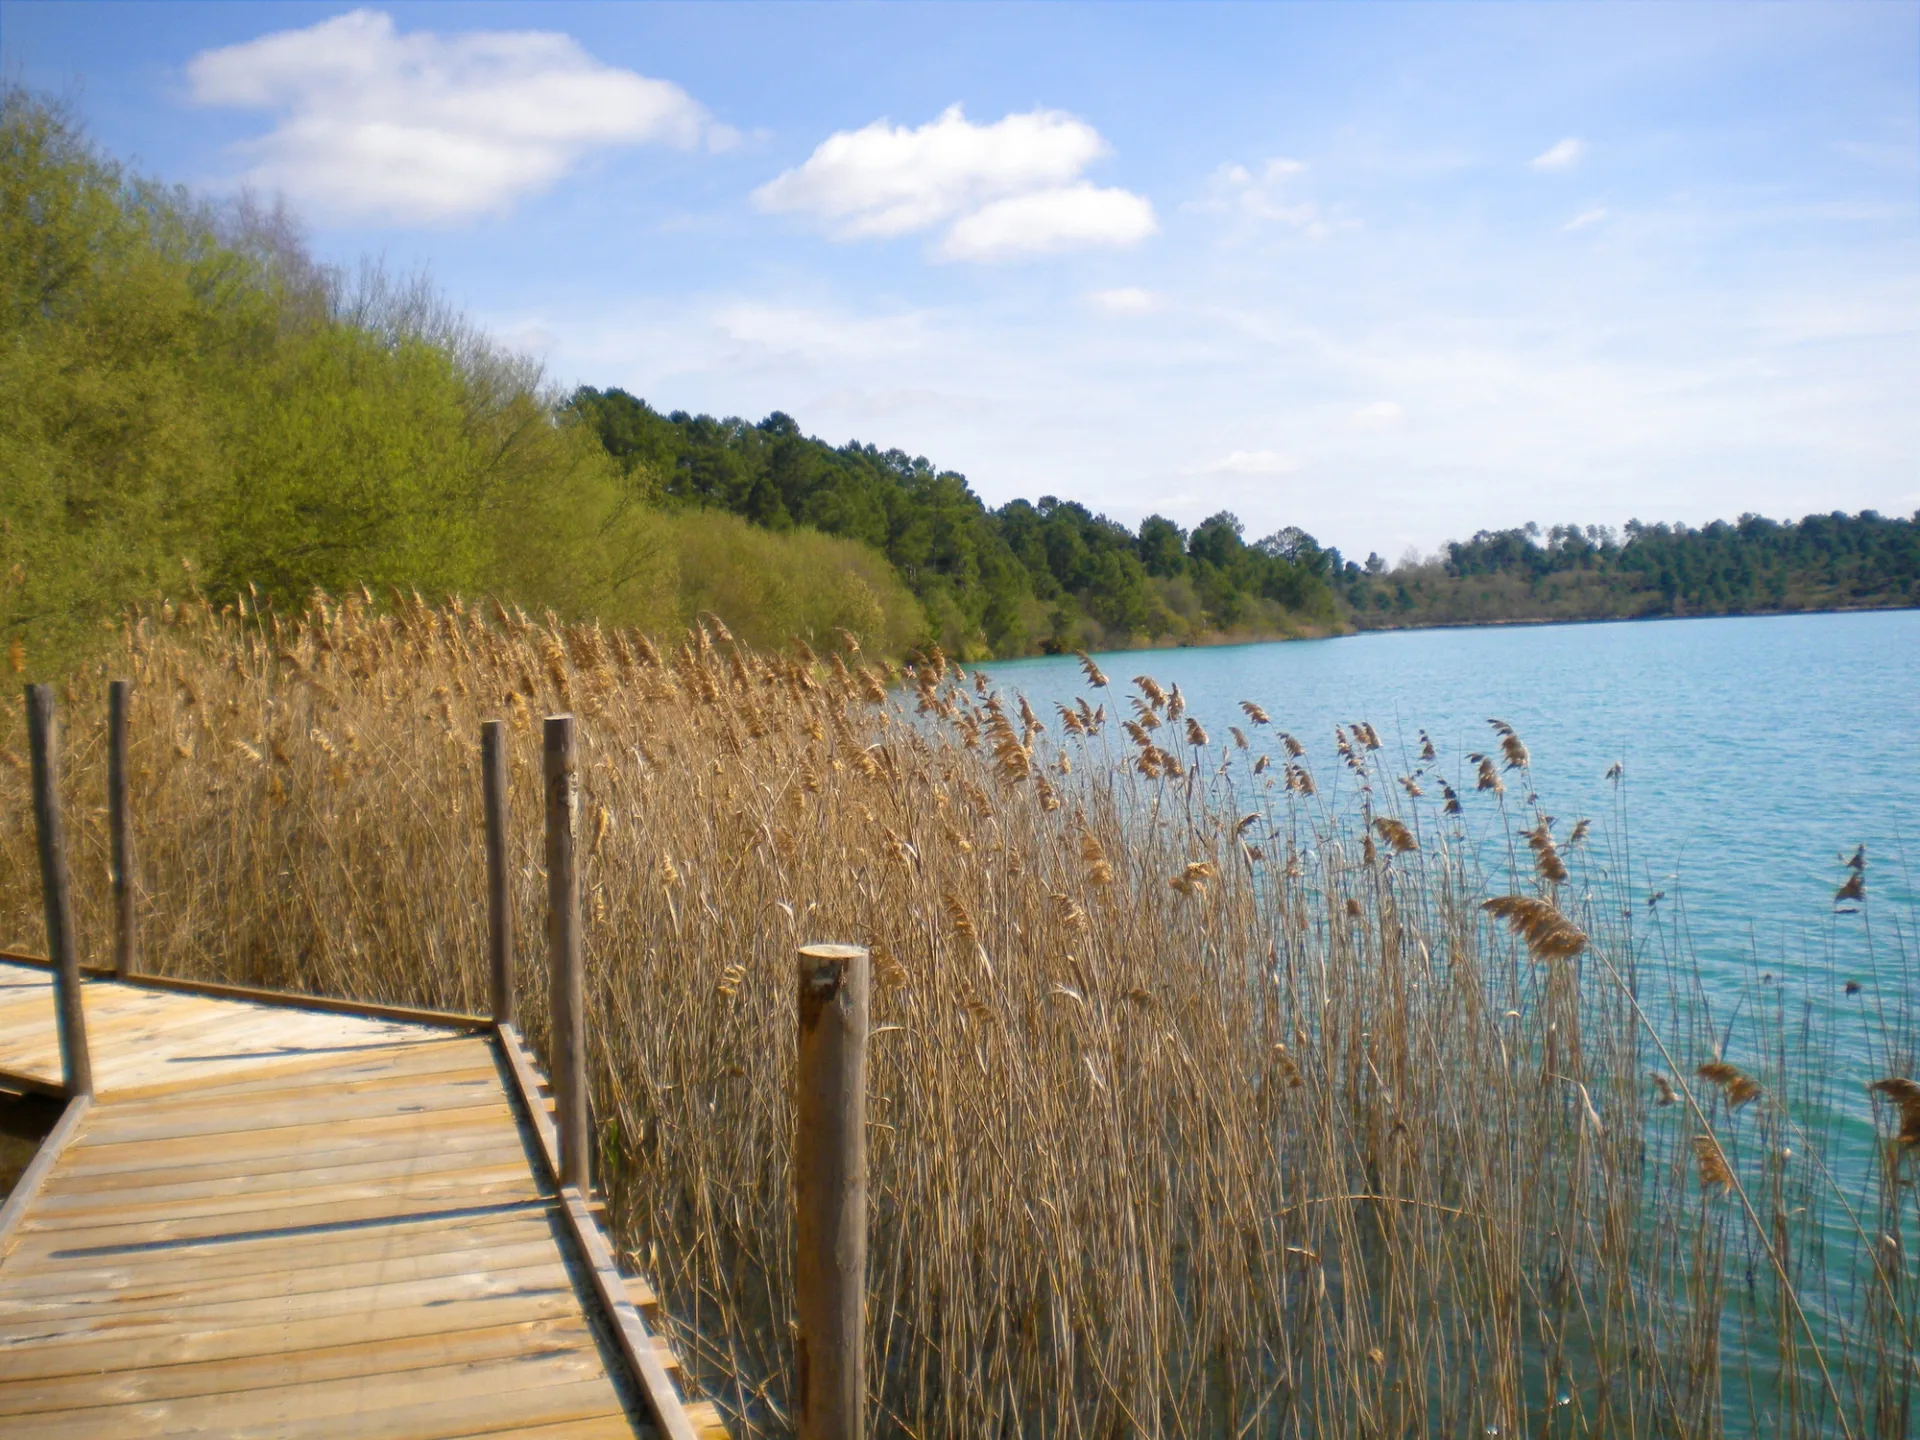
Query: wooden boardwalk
[276, 1219]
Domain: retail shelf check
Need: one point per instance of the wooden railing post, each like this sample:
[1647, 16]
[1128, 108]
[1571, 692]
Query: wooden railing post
[565, 982]
[830, 1193]
[43, 738]
[126, 953]
[493, 783]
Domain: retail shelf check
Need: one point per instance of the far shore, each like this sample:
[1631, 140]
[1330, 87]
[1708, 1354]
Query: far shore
[1216, 639]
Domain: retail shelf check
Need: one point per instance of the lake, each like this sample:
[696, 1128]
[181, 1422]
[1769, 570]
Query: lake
[1758, 753]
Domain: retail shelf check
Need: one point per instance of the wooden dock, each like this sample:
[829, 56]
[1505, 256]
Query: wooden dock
[286, 1217]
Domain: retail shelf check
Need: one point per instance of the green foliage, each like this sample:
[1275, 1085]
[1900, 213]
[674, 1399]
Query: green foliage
[768, 587]
[1752, 566]
[189, 402]
[1047, 576]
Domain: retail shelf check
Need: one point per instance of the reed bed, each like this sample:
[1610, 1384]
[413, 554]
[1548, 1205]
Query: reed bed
[1221, 1085]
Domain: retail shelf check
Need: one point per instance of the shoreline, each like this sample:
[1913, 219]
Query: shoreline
[1215, 640]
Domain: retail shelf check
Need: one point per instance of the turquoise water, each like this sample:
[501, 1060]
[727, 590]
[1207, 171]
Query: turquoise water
[1757, 753]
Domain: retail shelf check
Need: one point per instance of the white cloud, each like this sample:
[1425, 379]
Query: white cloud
[1006, 189]
[1250, 462]
[1561, 155]
[1071, 218]
[1126, 300]
[1263, 196]
[423, 127]
[1378, 415]
[1586, 218]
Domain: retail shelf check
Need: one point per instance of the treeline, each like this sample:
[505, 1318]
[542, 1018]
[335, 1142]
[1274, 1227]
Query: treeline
[1750, 566]
[1051, 575]
[190, 404]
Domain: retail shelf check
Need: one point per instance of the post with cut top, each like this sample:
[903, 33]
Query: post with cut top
[43, 738]
[830, 1193]
[126, 951]
[493, 784]
[565, 982]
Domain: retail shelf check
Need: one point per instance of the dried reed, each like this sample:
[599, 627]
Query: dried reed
[1193, 1112]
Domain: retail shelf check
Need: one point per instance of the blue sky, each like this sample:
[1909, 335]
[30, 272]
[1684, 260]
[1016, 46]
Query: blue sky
[1391, 273]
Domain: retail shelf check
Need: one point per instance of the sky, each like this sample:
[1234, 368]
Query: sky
[1391, 273]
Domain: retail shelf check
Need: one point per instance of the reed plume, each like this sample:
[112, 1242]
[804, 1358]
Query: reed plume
[1547, 933]
[1734, 1083]
[1715, 1173]
[1905, 1095]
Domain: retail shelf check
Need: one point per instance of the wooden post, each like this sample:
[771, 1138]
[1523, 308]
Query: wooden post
[565, 982]
[493, 782]
[830, 1193]
[126, 954]
[43, 738]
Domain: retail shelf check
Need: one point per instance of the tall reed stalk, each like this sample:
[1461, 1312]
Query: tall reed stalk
[1209, 1096]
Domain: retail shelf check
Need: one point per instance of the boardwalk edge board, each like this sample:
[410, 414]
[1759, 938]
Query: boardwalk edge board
[48, 1155]
[214, 990]
[636, 1344]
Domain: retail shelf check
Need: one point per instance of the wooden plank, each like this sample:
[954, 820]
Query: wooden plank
[178, 1229]
[364, 1087]
[630, 1330]
[452, 1019]
[133, 1028]
[390, 1057]
[409, 1014]
[144, 1294]
[245, 1117]
[106, 1242]
[332, 1070]
[552, 1385]
[599, 1427]
[32, 1179]
[110, 1354]
[463, 1297]
[397, 1241]
[33, 1395]
[213, 1034]
[432, 1189]
[292, 1139]
[325, 1155]
[291, 1177]
[527, 1082]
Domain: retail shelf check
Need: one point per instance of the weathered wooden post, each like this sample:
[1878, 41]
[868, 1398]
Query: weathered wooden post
[126, 954]
[830, 1193]
[43, 738]
[565, 982]
[493, 782]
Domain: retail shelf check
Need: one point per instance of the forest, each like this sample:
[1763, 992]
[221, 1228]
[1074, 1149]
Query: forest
[192, 405]
[1053, 575]
[1045, 575]
[1751, 566]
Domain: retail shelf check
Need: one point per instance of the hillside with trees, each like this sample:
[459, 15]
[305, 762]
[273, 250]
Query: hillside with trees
[1752, 566]
[1044, 575]
[191, 405]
